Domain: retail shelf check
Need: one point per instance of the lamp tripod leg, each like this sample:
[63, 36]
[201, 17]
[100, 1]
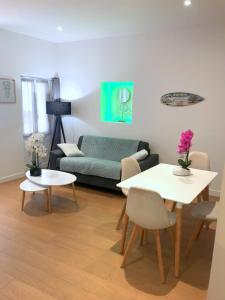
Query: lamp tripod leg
[61, 126]
[53, 138]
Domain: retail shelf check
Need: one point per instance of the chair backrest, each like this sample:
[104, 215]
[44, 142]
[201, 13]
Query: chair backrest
[218, 211]
[200, 160]
[222, 190]
[130, 167]
[146, 209]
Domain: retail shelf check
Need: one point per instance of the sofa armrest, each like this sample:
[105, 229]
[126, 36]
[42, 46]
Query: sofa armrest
[54, 156]
[149, 162]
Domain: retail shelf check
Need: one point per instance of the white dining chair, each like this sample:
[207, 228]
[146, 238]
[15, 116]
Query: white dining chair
[129, 167]
[205, 212]
[200, 160]
[147, 211]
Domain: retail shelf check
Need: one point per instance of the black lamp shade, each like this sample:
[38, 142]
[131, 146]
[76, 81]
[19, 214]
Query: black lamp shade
[58, 108]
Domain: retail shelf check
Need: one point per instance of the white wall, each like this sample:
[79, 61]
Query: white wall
[185, 60]
[19, 55]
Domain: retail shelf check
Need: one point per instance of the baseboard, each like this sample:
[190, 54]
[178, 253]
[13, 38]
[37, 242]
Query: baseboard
[215, 193]
[12, 177]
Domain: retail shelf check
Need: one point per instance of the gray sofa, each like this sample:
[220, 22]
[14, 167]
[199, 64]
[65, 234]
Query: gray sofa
[101, 165]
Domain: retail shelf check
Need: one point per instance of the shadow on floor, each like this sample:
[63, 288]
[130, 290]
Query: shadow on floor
[141, 270]
[35, 205]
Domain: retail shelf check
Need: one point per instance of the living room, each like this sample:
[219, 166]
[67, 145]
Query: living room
[161, 48]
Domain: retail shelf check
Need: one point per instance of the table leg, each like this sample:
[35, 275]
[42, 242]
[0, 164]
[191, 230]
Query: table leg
[74, 193]
[178, 238]
[205, 194]
[23, 199]
[50, 199]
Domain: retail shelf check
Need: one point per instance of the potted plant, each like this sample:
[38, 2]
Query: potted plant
[34, 145]
[183, 149]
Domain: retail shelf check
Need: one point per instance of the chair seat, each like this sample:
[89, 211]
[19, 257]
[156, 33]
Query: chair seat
[159, 224]
[205, 211]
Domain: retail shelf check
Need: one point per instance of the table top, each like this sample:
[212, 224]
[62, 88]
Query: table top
[52, 178]
[29, 186]
[181, 189]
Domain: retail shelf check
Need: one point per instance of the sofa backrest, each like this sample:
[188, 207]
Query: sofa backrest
[107, 147]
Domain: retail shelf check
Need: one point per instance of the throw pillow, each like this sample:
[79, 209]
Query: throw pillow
[70, 149]
[142, 154]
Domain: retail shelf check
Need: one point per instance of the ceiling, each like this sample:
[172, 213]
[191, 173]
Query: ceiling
[90, 19]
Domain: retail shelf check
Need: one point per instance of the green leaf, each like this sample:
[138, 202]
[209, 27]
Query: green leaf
[181, 163]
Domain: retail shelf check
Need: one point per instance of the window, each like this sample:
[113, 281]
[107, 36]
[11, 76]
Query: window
[35, 93]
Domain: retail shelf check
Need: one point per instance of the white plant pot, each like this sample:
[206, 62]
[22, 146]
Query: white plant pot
[179, 171]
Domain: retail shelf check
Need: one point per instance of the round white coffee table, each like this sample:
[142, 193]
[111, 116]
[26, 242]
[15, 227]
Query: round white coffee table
[50, 178]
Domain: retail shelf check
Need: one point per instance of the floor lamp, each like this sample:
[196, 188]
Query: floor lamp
[58, 109]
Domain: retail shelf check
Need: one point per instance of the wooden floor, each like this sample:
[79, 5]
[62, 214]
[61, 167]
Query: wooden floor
[73, 252]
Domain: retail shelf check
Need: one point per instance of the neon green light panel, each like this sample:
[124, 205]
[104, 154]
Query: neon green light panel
[116, 102]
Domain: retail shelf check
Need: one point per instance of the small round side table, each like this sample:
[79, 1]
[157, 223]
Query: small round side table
[28, 186]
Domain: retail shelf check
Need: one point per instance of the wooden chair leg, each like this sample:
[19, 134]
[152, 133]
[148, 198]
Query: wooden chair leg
[143, 233]
[207, 224]
[23, 199]
[121, 216]
[195, 235]
[130, 243]
[123, 240]
[199, 232]
[173, 206]
[199, 198]
[159, 254]
[47, 200]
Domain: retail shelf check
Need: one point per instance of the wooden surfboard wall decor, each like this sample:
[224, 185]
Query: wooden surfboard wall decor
[181, 99]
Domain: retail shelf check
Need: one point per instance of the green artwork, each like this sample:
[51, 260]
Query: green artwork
[116, 102]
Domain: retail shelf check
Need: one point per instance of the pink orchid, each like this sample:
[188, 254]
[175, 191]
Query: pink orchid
[184, 148]
[185, 142]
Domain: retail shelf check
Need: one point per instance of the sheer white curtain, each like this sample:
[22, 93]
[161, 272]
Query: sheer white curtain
[35, 93]
[42, 92]
[28, 107]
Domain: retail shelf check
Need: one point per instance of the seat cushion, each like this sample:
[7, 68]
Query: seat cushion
[204, 210]
[91, 166]
[108, 148]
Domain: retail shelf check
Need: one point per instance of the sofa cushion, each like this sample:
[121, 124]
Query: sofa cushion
[70, 149]
[91, 166]
[108, 148]
[142, 154]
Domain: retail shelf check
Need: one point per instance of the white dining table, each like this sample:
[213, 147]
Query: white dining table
[180, 189]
